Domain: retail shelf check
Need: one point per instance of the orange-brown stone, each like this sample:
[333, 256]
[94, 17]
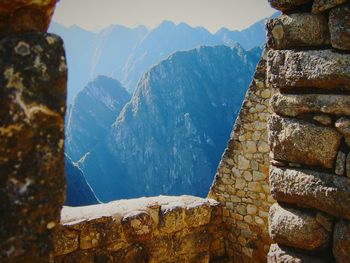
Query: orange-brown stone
[21, 16]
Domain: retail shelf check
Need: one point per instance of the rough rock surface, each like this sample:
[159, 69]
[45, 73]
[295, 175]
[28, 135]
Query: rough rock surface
[341, 243]
[343, 126]
[295, 228]
[308, 69]
[339, 19]
[324, 5]
[302, 142]
[348, 166]
[283, 254]
[22, 16]
[293, 105]
[285, 5]
[297, 30]
[311, 189]
[32, 108]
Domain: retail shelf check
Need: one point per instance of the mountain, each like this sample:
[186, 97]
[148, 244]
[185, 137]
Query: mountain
[248, 38]
[113, 48]
[126, 53]
[80, 47]
[169, 138]
[93, 111]
[158, 44]
[79, 192]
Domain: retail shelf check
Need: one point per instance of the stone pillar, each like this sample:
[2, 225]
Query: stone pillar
[33, 95]
[308, 63]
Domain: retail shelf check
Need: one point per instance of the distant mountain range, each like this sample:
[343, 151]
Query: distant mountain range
[169, 137]
[126, 53]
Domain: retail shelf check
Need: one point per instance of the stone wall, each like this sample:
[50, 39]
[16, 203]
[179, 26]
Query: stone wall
[160, 229]
[308, 62]
[241, 183]
[33, 95]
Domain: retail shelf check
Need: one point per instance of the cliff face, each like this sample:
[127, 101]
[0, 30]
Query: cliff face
[168, 139]
[78, 192]
[91, 115]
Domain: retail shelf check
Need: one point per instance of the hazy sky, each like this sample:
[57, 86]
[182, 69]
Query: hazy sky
[211, 14]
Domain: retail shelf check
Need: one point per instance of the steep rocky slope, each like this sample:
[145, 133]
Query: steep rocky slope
[79, 192]
[169, 138]
[94, 110]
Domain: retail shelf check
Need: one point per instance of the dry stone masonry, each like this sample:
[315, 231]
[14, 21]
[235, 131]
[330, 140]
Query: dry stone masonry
[308, 63]
[241, 183]
[290, 143]
[161, 229]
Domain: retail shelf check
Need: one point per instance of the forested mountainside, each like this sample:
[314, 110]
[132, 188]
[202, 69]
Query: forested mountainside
[169, 138]
[92, 113]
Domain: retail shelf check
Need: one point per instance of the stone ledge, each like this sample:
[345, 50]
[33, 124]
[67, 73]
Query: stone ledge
[165, 228]
[297, 30]
[310, 189]
[292, 105]
[325, 69]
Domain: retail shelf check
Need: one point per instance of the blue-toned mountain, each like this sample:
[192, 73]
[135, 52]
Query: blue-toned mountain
[169, 138]
[93, 111]
[79, 192]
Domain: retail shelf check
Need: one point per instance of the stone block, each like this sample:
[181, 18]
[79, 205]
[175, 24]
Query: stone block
[325, 69]
[297, 141]
[339, 26]
[285, 5]
[137, 226]
[283, 254]
[171, 218]
[198, 214]
[33, 97]
[65, 240]
[343, 126]
[296, 228]
[159, 248]
[94, 233]
[293, 105]
[341, 241]
[320, 6]
[311, 189]
[348, 166]
[193, 243]
[340, 163]
[297, 30]
[134, 253]
[18, 16]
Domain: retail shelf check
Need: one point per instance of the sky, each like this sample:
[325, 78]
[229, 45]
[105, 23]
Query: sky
[211, 14]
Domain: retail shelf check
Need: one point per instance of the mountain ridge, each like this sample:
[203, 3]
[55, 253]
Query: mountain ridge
[190, 101]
